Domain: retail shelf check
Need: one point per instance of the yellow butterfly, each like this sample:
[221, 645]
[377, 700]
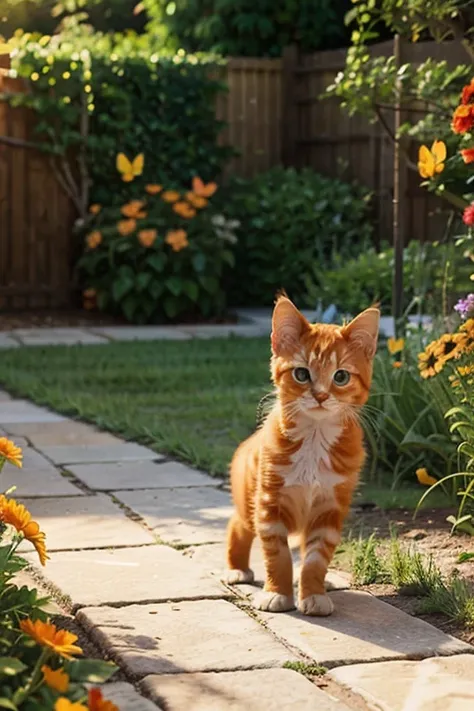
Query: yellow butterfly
[431, 162]
[395, 345]
[130, 169]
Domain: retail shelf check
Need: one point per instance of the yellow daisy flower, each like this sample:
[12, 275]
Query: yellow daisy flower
[10, 452]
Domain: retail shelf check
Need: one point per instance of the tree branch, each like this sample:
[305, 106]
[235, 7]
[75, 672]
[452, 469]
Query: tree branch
[18, 142]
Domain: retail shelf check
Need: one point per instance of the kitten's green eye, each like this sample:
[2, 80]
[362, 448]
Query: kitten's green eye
[341, 377]
[301, 375]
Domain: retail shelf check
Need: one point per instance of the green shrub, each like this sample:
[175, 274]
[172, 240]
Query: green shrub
[96, 95]
[289, 221]
[157, 259]
[429, 270]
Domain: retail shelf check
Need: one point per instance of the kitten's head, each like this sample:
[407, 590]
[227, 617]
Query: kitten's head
[322, 370]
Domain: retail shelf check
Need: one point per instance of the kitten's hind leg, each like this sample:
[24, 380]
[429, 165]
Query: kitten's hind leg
[239, 543]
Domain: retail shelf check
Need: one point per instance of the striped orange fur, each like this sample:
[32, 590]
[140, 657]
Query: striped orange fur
[297, 473]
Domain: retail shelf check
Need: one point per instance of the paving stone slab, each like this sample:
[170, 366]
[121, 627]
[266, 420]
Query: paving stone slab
[85, 453]
[37, 477]
[56, 336]
[129, 575]
[439, 684]
[142, 333]
[224, 331]
[212, 558]
[4, 397]
[7, 342]
[126, 698]
[362, 629]
[139, 475]
[205, 635]
[61, 433]
[257, 690]
[85, 522]
[15, 411]
[183, 516]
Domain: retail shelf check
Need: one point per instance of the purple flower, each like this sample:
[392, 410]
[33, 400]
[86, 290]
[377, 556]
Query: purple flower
[465, 307]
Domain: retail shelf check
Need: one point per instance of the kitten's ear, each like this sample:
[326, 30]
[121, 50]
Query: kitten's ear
[362, 332]
[288, 325]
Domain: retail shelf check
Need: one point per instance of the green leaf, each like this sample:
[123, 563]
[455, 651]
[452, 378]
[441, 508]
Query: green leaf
[175, 285]
[157, 261]
[463, 557]
[143, 280]
[9, 666]
[171, 306]
[121, 287]
[90, 671]
[7, 704]
[191, 289]
[199, 262]
[209, 283]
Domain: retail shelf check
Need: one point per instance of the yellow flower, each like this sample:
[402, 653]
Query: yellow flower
[47, 635]
[147, 237]
[95, 209]
[395, 345]
[467, 326]
[431, 162]
[93, 239]
[126, 227]
[177, 240]
[397, 364]
[196, 200]
[134, 209]
[153, 189]
[429, 363]
[10, 452]
[170, 196]
[56, 679]
[183, 209]
[424, 478]
[64, 704]
[130, 169]
[19, 517]
[96, 701]
[449, 346]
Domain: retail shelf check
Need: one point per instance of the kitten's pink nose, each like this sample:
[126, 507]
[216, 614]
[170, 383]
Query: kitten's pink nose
[321, 397]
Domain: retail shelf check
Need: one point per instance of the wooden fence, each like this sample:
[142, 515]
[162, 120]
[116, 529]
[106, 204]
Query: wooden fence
[274, 115]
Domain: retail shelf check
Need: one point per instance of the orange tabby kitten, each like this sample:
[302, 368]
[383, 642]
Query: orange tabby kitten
[297, 473]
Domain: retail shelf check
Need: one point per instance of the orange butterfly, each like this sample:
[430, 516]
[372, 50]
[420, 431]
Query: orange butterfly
[203, 190]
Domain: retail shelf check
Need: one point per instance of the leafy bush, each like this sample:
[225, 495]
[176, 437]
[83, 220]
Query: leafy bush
[159, 258]
[96, 95]
[241, 28]
[37, 660]
[429, 270]
[289, 221]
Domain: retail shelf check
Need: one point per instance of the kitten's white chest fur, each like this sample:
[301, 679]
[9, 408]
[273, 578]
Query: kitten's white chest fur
[310, 465]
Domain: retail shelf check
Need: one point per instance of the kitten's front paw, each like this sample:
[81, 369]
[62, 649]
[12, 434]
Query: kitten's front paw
[316, 605]
[236, 577]
[273, 602]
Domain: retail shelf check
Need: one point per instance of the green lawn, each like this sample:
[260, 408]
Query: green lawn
[195, 400]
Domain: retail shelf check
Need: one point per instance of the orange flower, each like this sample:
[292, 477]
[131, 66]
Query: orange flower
[95, 209]
[171, 196]
[126, 227]
[425, 478]
[93, 239]
[10, 452]
[147, 237]
[463, 119]
[177, 240]
[64, 704]
[196, 200]
[153, 189]
[56, 679]
[183, 209]
[467, 95]
[468, 155]
[19, 517]
[397, 364]
[203, 190]
[96, 701]
[46, 634]
[134, 209]
[89, 299]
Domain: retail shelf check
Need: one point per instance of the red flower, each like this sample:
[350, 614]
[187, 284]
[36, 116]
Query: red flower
[468, 155]
[468, 93]
[468, 215]
[463, 118]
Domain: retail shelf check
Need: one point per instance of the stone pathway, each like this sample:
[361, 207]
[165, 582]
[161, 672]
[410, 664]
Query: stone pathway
[136, 545]
[252, 322]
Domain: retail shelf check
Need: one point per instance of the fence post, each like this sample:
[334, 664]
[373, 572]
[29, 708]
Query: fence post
[289, 127]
